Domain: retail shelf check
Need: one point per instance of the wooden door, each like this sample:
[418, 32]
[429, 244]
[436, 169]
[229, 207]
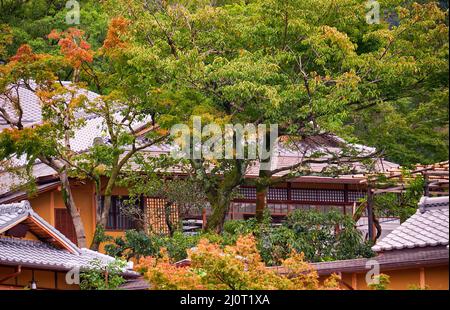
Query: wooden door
[63, 223]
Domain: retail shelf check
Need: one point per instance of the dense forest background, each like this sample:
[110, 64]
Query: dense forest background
[409, 130]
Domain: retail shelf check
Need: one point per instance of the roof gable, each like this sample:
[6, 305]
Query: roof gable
[53, 251]
[14, 214]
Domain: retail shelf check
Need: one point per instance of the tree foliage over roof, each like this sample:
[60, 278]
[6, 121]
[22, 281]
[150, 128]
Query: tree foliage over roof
[306, 65]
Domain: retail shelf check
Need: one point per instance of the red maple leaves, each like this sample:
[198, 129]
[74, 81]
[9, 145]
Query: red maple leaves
[75, 49]
[24, 54]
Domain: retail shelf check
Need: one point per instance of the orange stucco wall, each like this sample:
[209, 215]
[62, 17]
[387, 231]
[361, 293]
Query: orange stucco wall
[433, 278]
[46, 203]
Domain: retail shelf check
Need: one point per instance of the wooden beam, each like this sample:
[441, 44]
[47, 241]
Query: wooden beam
[439, 193]
[55, 237]
[398, 189]
[18, 271]
[436, 173]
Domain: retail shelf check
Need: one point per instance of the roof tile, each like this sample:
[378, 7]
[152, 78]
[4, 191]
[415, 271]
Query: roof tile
[429, 226]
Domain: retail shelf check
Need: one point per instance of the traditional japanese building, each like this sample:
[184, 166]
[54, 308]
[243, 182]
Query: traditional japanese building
[35, 255]
[415, 255]
[307, 192]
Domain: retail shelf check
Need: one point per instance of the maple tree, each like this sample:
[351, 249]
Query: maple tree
[62, 104]
[309, 66]
[312, 67]
[50, 141]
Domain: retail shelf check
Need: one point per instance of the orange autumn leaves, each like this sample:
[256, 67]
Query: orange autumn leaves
[115, 38]
[236, 267]
[25, 54]
[75, 49]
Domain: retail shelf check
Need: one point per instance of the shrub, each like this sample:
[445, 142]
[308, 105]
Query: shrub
[326, 236]
[134, 244]
[320, 236]
[102, 277]
[236, 267]
[380, 283]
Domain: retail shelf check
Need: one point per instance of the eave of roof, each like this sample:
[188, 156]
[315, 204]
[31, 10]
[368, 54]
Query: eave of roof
[38, 255]
[19, 195]
[395, 260]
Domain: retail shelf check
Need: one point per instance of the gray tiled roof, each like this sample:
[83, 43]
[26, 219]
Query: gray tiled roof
[82, 139]
[34, 253]
[427, 227]
[30, 103]
[137, 284]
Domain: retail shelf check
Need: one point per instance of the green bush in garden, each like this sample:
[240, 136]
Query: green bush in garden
[102, 277]
[320, 236]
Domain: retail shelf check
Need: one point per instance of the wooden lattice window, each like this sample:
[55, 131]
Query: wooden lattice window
[318, 195]
[247, 193]
[64, 223]
[277, 194]
[303, 194]
[331, 195]
[354, 196]
[156, 217]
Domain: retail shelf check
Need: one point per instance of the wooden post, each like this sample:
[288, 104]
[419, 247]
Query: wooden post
[345, 198]
[203, 218]
[422, 278]
[346, 193]
[289, 198]
[354, 281]
[426, 191]
[370, 213]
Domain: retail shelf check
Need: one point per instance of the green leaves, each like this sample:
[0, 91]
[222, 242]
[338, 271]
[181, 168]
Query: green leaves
[27, 142]
[99, 276]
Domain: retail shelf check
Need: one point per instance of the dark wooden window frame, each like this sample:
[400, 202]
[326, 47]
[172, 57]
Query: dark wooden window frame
[116, 220]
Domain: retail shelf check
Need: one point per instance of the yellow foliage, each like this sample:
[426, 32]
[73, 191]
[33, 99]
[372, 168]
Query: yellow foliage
[237, 267]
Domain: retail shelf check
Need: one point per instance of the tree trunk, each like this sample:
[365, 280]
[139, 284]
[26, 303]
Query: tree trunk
[167, 213]
[69, 202]
[377, 225]
[103, 211]
[220, 206]
[261, 201]
[101, 221]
